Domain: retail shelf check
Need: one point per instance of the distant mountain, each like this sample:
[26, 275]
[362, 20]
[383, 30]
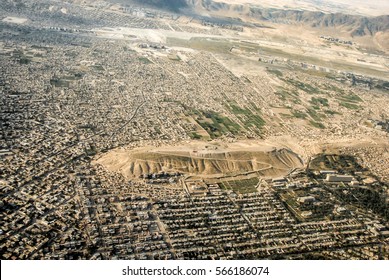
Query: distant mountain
[357, 25]
[371, 25]
[172, 5]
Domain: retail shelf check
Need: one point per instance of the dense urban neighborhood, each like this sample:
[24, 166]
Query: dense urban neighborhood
[129, 132]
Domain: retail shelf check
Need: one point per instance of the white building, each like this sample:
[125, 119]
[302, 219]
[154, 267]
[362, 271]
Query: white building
[339, 178]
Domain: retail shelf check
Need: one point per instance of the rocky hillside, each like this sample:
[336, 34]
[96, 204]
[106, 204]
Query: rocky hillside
[172, 5]
[357, 25]
[277, 162]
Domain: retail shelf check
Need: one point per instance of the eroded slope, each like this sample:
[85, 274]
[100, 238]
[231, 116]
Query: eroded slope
[203, 159]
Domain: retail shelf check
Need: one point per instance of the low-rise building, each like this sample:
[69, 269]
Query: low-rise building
[339, 178]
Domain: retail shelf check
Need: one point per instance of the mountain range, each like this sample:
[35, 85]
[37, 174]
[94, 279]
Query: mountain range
[356, 25]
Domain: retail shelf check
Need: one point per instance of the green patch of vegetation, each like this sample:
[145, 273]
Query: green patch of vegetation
[236, 109]
[255, 107]
[365, 197]
[223, 187]
[303, 86]
[284, 94]
[315, 115]
[319, 101]
[241, 186]
[24, 60]
[341, 163]
[316, 108]
[333, 88]
[246, 116]
[253, 121]
[331, 112]
[291, 204]
[317, 124]
[351, 98]
[349, 105]
[299, 114]
[194, 135]
[286, 116]
[215, 124]
[276, 72]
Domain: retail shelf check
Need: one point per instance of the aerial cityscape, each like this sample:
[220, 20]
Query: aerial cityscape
[194, 130]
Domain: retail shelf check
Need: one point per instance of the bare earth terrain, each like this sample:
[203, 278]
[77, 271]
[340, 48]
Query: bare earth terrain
[204, 159]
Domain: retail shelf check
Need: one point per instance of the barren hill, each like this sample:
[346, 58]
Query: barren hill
[203, 159]
[355, 25]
